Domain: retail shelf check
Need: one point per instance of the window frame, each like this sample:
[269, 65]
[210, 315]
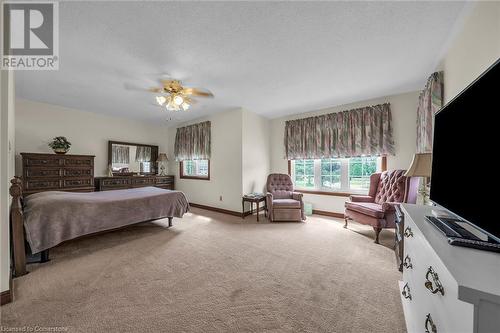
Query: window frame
[341, 192]
[182, 176]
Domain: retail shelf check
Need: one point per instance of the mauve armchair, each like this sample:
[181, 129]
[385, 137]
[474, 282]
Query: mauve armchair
[387, 189]
[283, 204]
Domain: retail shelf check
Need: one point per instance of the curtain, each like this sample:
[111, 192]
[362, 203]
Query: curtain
[430, 101]
[193, 142]
[120, 154]
[364, 131]
[143, 154]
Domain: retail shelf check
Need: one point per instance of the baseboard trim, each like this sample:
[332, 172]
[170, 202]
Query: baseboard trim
[220, 210]
[6, 296]
[331, 214]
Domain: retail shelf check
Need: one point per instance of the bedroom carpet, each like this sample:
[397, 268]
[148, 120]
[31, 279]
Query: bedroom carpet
[216, 273]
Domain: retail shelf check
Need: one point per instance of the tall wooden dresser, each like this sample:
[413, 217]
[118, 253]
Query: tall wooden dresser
[44, 172]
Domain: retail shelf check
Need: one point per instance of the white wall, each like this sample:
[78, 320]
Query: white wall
[404, 116]
[37, 123]
[7, 158]
[474, 49]
[225, 164]
[256, 152]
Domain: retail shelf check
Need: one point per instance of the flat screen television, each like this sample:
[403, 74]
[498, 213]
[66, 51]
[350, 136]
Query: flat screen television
[466, 148]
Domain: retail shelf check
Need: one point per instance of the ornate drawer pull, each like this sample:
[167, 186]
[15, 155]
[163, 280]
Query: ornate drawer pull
[435, 278]
[406, 291]
[407, 262]
[430, 323]
[408, 232]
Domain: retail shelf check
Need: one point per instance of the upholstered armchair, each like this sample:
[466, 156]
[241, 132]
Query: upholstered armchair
[283, 204]
[387, 189]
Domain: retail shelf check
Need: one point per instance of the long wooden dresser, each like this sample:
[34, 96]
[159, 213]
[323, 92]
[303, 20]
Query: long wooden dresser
[123, 182]
[446, 288]
[43, 172]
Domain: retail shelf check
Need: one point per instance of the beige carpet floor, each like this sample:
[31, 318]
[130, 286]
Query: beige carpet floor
[216, 273]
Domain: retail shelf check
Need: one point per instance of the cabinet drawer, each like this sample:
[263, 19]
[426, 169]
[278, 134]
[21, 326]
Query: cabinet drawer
[78, 172]
[42, 161]
[45, 184]
[75, 161]
[440, 296]
[164, 180]
[82, 182]
[140, 181]
[31, 172]
[115, 182]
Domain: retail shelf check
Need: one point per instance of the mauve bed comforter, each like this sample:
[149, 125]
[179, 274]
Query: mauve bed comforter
[53, 217]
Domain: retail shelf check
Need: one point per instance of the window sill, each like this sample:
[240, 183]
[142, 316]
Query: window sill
[330, 193]
[195, 177]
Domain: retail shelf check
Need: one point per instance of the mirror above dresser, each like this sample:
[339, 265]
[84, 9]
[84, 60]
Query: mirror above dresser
[127, 158]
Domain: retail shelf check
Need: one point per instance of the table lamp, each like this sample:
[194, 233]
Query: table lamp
[421, 167]
[162, 158]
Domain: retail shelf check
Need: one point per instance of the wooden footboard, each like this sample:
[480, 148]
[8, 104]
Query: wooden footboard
[18, 242]
[17, 228]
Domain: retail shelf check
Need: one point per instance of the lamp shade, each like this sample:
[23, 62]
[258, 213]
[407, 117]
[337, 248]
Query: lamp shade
[420, 166]
[162, 157]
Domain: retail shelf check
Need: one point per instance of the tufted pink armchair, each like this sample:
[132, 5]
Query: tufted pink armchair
[377, 208]
[283, 204]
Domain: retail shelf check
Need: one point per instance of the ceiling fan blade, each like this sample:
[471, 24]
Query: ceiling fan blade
[197, 92]
[133, 87]
[155, 90]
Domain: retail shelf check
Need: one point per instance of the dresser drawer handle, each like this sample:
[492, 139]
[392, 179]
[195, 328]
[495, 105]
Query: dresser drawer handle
[407, 262]
[406, 291]
[430, 324]
[408, 232]
[435, 281]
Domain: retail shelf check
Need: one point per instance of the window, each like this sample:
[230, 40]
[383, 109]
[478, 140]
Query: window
[195, 169]
[145, 167]
[335, 174]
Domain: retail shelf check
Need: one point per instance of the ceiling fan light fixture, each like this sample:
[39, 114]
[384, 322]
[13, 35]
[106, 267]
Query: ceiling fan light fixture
[178, 99]
[161, 100]
[185, 106]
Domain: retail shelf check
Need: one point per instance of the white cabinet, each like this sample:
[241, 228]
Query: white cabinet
[446, 288]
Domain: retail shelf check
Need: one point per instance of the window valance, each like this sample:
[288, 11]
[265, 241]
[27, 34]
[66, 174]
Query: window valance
[143, 154]
[193, 142]
[429, 102]
[357, 132]
[120, 154]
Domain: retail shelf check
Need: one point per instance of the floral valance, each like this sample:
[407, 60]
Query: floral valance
[363, 131]
[430, 101]
[193, 142]
[143, 154]
[120, 154]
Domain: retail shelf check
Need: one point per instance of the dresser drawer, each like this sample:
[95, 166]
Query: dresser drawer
[42, 184]
[78, 161]
[143, 181]
[116, 182]
[42, 172]
[36, 161]
[78, 172]
[164, 180]
[433, 287]
[82, 182]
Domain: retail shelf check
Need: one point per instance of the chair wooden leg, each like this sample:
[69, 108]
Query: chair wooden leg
[345, 225]
[377, 233]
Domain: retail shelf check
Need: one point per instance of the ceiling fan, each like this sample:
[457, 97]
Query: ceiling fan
[175, 97]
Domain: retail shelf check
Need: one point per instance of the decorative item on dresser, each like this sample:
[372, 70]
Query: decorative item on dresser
[45, 172]
[446, 288]
[124, 182]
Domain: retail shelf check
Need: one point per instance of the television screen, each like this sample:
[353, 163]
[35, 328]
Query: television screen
[465, 151]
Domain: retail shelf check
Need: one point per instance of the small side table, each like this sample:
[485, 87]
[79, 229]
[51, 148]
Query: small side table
[252, 200]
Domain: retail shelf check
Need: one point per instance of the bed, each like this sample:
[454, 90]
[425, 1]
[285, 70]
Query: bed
[49, 218]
